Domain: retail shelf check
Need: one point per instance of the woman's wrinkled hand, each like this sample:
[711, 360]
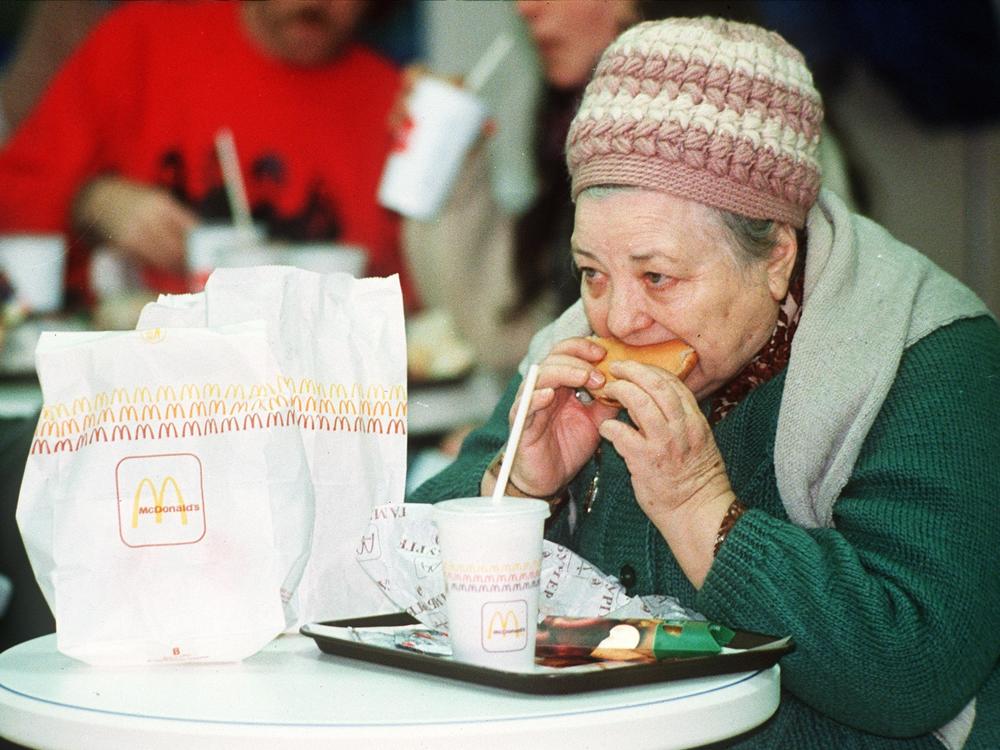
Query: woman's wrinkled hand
[560, 431]
[144, 222]
[671, 454]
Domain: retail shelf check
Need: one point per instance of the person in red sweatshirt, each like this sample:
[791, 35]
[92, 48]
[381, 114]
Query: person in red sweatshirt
[120, 150]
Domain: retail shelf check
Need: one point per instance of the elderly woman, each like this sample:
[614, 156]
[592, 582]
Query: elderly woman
[829, 468]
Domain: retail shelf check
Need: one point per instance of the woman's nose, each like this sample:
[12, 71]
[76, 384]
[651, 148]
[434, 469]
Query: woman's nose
[626, 313]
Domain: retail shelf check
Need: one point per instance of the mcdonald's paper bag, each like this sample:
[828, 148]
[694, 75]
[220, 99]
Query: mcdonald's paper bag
[341, 342]
[166, 505]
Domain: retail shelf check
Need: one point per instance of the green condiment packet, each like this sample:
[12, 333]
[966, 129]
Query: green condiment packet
[690, 638]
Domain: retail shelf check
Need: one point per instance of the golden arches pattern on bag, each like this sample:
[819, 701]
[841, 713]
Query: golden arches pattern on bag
[199, 409]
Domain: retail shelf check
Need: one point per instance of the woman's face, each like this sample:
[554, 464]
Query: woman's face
[570, 36]
[656, 267]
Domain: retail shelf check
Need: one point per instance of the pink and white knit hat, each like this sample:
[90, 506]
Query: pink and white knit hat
[715, 111]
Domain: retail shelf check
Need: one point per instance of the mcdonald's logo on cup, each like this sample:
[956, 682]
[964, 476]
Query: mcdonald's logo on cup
[161, 500]
[505, 625]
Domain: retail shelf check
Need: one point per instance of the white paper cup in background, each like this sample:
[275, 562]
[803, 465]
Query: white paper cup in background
[325, 257]
[491, 556]
[445, 121]
[34, 265]
[210, 246]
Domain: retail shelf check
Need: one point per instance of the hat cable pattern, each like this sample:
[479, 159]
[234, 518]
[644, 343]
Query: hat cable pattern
[716, 111]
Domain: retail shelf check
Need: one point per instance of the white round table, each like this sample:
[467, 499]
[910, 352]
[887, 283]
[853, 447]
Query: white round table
[290, 695]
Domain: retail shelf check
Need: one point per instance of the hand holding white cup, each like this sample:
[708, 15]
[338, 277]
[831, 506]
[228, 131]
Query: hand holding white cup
[442, 123]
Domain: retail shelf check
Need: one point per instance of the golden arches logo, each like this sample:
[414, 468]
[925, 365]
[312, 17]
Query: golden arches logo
[165, 393]
[150, 411]
[153, 335]
[503, 624]
[190, 391]
[376, 408]
[159, 500]
[174, 411]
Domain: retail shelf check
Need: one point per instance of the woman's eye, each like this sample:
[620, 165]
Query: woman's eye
[586, 272]
[658, 279]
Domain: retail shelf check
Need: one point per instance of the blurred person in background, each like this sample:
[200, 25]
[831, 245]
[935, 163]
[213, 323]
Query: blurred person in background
[51, 31]
[120, 150]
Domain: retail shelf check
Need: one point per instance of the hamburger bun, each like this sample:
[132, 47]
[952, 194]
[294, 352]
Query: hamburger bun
[675, 356]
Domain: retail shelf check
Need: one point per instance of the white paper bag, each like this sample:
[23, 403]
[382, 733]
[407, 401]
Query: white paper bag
[166, 505]
[341, 343]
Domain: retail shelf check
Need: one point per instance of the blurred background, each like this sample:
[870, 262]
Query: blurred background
[912, 89]
[912, 92]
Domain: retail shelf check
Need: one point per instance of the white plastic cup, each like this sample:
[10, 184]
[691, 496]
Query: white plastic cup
[211, 246]
[491, 556]
[34, 265]
[444, 122]
[323, 257]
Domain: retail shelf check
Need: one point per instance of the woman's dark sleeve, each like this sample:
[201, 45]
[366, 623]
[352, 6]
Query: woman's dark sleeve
[463, 477]
[895, 610]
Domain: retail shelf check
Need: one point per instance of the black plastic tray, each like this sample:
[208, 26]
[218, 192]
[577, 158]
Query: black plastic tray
[551, 682]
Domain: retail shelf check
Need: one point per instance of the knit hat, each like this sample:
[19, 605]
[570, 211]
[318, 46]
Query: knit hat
[715, 111]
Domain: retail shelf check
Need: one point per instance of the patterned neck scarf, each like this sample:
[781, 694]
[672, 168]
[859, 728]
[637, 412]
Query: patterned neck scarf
[772, 358]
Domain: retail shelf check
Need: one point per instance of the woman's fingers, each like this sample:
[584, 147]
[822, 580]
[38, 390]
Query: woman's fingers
[654, 398]
[571, 365]
[541, 399]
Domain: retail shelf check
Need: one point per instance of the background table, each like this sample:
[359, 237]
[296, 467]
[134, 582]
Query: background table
[290, 695]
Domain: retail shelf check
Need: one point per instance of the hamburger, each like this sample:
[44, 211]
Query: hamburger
[675, 356]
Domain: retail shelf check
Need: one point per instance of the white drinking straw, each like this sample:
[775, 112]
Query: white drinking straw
[488, 63]
[515, 433]
[225, 149]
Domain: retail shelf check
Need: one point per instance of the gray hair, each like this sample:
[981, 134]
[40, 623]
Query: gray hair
[753, 239]
[750, 240]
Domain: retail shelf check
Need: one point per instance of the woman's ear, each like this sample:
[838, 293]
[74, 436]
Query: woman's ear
[781, 261]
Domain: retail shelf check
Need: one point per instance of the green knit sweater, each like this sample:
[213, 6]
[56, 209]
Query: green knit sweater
[895, 612]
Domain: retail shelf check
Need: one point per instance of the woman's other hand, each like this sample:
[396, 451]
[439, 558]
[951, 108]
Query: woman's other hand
[560, 431]
[678, 475]
[144, 222]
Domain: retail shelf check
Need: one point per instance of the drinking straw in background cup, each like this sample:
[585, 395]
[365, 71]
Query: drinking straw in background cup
[443, 123]
[34, 265]
[491, 556]
[210, 246]
[487, 64]
[232, 177]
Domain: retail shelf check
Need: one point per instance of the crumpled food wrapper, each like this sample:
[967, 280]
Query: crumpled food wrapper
[400, 552]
